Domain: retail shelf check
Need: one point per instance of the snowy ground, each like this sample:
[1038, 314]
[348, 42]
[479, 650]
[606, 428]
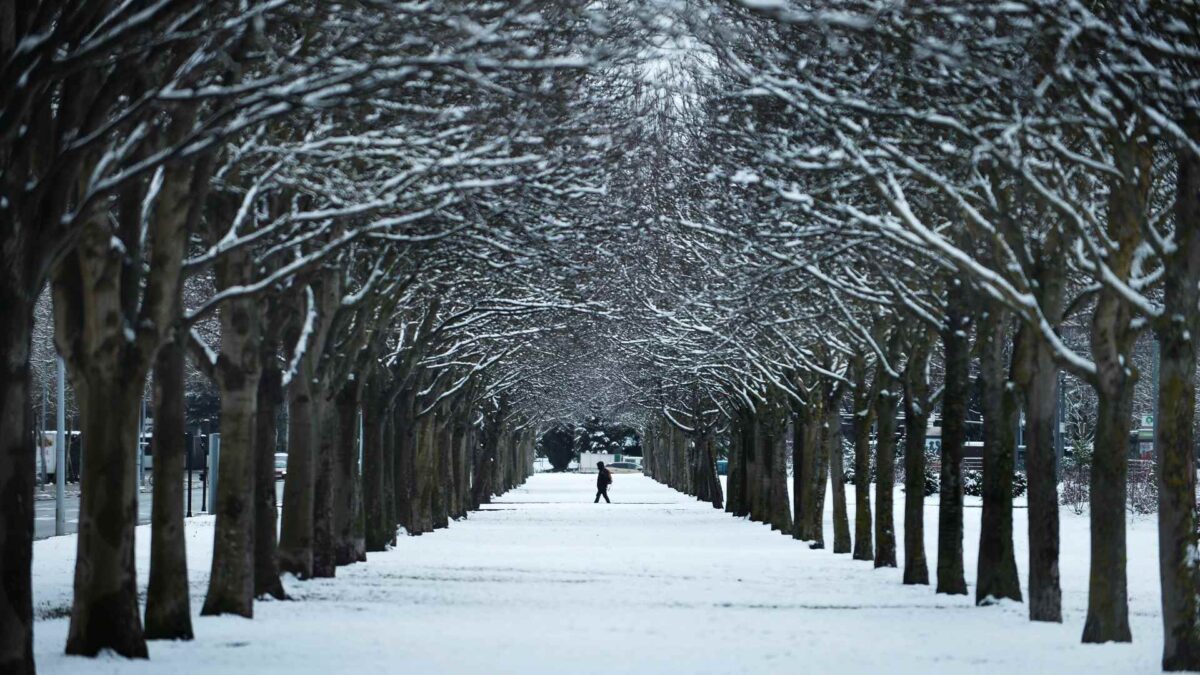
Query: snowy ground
[544, 581]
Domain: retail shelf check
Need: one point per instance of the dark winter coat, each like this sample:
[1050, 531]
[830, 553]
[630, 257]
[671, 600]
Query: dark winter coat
[603, 479]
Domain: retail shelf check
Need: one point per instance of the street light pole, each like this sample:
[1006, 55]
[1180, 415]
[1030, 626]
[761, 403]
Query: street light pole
[141, 455]
[60, 454]
[1060, 416]
[1154, 377]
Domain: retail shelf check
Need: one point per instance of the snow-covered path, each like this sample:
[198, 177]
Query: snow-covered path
[544, 581]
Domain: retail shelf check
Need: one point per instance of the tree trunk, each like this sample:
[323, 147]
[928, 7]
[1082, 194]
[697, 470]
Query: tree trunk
[405, 462]
[863, 417]
[345, 463]
[1179, 570]
[951, 578]
[1112, 338]
[996, 577]
[266, 513]
[390, 516]
[1108, 602]
[295, 551]
[886, 403]
[837, 481]
[1041, 413]
[462, 467]
[819, 478]
[707, 475]
[775, 472]
[168, 606]
[105, 611]
[231, 584]
[801, 467]
[481, 490]
[443, 479]
[735, 482]
[17, 470]
[916, 417]
[378, 530]
[324, 558]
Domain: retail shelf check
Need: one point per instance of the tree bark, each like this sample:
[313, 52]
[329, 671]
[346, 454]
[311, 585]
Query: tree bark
[886, 403]
[1112, 339]
[818, 481]
[1179, 570]
[405, 463]
[1040, 385]
[295, 551]
[345, 463]
[736, 474]
[231, 583]
[775, 471]
[390, 516]
[168, 605]
[951, 578]
[996, 577]
[916, 418]
[323, 537]
[105, 611]
[17, 470]
[801, 468]
[378, 530]
[863, 419]
[1108, 601]
[266, 513]
[837, 480]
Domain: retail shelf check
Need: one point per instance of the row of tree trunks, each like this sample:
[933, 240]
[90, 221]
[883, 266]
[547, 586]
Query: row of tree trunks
[757, 465]
[684, 459]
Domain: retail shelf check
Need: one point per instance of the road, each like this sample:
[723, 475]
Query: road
[43, 524]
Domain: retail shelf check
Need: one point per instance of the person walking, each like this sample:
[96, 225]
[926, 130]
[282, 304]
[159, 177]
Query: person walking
[603, 480]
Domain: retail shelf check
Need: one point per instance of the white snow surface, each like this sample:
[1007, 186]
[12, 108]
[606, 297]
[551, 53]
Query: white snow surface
[545, 581]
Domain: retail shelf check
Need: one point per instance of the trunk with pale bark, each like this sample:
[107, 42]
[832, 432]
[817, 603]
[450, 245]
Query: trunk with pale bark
[231, 582]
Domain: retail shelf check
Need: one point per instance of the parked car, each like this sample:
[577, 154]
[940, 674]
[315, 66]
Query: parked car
[624, 467]
[280, 465]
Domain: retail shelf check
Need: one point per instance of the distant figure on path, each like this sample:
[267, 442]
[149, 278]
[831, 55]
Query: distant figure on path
[603, 480]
